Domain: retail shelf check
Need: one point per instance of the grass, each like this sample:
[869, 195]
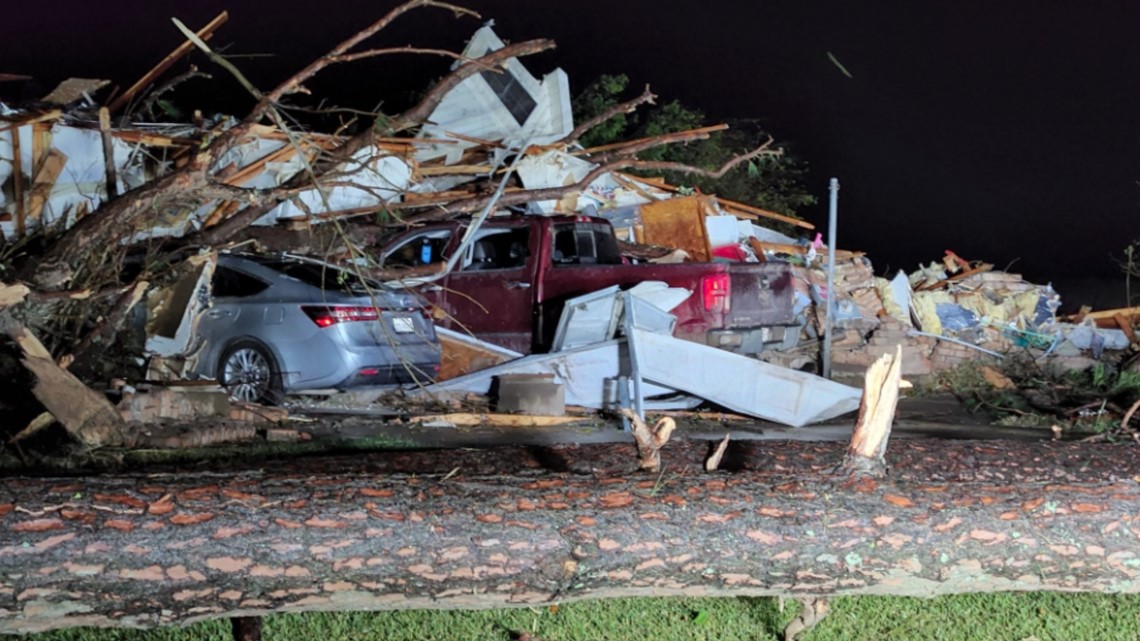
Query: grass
[971, 617]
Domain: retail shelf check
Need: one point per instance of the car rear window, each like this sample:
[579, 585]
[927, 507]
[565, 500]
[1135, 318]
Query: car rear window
[323, 276]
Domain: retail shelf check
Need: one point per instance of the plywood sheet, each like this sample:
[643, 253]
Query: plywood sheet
[678, 223]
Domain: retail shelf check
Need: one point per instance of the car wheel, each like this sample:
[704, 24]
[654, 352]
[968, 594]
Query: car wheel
[249, 373]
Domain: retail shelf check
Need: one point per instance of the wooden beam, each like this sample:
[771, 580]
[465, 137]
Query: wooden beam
[738, 208]
[152, 139]
[149, 77]
[46, 175]
[500, 420]
[447, 170]
[30, 119]
[108, 153]
[1125, 325]
[785, 248]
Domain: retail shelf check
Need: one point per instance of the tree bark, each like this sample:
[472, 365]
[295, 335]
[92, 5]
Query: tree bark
[520, 526]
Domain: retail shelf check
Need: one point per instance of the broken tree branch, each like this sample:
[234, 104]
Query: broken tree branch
[186, 47]
[86, 415]
[646, 97]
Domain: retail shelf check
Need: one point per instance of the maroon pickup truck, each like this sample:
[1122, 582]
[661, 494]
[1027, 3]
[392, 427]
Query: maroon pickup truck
[510, 287]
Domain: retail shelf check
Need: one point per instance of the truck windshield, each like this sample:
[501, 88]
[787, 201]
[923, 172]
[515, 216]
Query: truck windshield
[585, 244]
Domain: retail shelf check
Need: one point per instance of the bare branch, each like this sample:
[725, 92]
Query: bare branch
[646, 97]
[634, 147]
[732, 163]
[148, 104]
[291, 84]
[372, 53]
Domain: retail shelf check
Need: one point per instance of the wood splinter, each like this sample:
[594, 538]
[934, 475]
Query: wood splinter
[876, 415]
[713, 463]
[650, 441]
[814, 610]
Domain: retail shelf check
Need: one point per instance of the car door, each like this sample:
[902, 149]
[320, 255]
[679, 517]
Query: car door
[490, 293]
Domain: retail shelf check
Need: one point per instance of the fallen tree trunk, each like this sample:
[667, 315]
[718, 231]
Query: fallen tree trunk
[477, 529]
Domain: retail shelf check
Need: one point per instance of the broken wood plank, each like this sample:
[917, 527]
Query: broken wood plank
[462, 355]
[678, 223]
[151, 139]
[43, 183]
[1125, 325]
[86, 414]
[1108, 316]
[446, 170]
[166, 63]
[498, 420]
[21, 119]
[736, 208]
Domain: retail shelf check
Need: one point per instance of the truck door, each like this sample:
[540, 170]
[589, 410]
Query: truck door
[490, 290]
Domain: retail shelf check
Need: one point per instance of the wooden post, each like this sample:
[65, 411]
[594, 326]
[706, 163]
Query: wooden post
[18, 182]
[108, 153]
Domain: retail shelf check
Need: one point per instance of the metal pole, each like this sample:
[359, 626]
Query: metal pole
[832, 222]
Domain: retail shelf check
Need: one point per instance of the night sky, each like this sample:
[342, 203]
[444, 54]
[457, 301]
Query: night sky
[1006, 131]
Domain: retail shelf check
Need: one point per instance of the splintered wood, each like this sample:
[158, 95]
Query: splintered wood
[650, 441]
[876, 415]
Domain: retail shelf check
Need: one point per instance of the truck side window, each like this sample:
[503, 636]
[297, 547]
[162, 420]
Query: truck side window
[499, 249]
[419, 249]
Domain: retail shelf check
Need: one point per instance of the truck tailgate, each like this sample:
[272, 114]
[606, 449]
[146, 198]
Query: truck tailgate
[762, 294]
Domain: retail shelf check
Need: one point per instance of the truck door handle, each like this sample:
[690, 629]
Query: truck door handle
[433, 288]
[217, 313]
[518, 284]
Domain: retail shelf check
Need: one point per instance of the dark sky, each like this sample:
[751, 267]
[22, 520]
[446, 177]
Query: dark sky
[1006, 131]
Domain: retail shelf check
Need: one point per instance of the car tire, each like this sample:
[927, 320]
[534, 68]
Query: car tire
[248, 371]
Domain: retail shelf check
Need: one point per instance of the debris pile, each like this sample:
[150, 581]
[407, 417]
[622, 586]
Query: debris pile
[492, 139]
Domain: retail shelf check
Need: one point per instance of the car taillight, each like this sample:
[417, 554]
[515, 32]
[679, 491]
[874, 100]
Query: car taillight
[331, 315]
[715, 291]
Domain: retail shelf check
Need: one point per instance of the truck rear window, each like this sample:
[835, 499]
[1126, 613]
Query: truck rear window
[585, 244]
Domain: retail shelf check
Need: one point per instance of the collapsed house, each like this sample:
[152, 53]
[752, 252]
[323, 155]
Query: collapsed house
[58, 166]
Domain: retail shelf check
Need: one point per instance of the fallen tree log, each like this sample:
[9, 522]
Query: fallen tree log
[490, 528]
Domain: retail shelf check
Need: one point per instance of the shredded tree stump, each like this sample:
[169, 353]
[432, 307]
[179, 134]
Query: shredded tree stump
[526, 525]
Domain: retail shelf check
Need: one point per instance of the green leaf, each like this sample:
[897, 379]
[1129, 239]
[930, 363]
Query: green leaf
[753, 170]
[168, 108]
[701, 618]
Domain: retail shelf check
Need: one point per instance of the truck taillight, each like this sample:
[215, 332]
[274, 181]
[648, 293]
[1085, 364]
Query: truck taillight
[715, 291]
[327, 316]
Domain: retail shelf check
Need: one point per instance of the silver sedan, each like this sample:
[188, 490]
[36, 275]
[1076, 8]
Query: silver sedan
[281, 324]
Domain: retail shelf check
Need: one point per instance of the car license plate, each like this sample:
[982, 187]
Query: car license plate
[403, 325]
